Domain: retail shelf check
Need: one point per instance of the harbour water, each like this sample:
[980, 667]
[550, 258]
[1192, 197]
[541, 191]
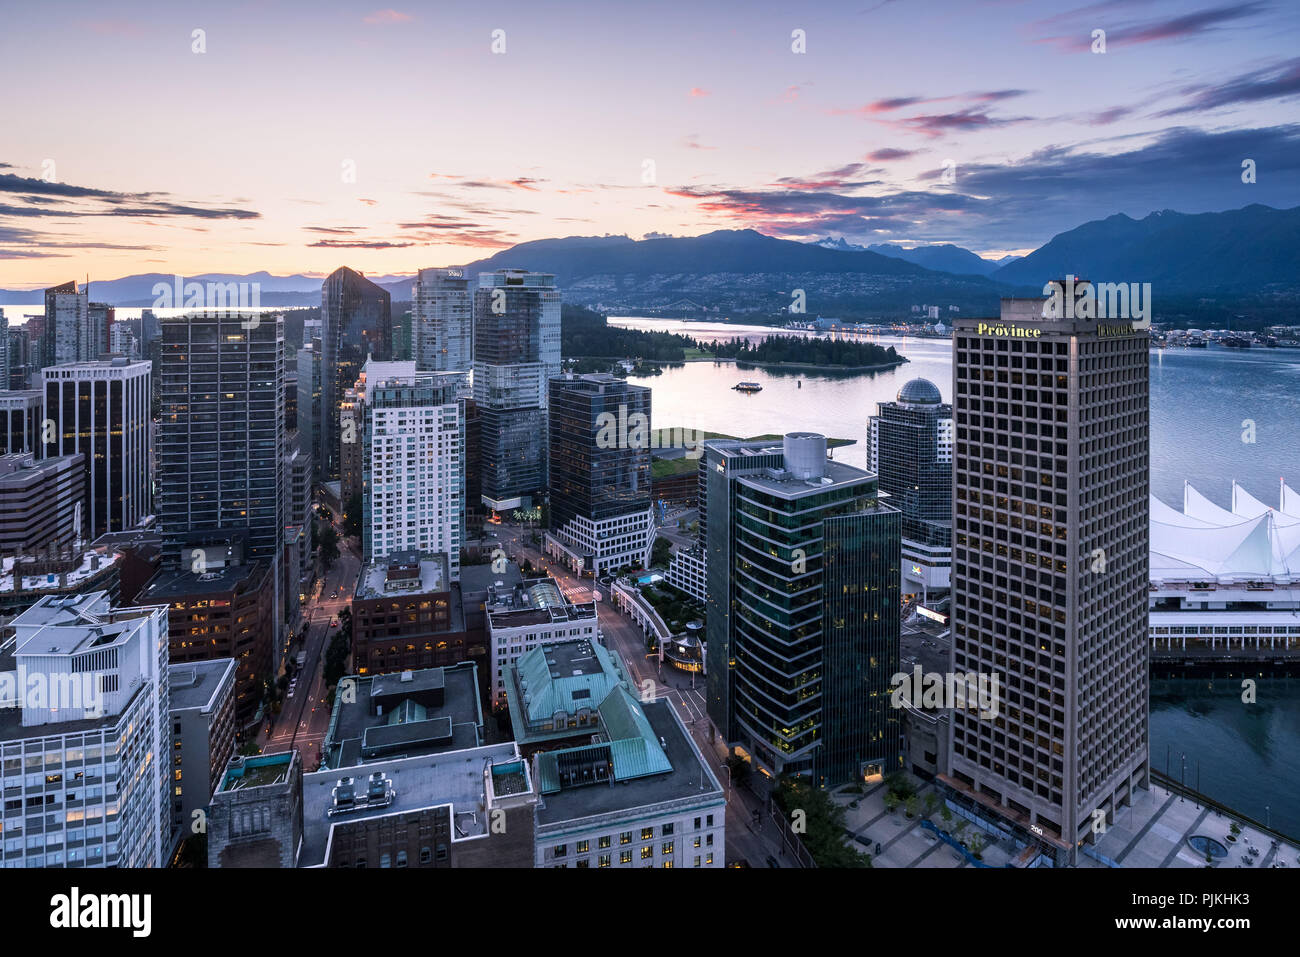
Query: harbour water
[1216, 414]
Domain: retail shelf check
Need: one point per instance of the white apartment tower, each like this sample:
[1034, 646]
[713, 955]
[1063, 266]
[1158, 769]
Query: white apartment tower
[413, 462]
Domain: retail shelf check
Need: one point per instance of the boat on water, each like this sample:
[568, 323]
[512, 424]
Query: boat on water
[747, 387]
[1196, 342]
[1235, 342]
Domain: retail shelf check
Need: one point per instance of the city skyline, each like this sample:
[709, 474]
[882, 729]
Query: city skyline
[710, 123]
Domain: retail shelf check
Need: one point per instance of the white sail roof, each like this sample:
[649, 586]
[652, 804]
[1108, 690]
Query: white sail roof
[1205, 542]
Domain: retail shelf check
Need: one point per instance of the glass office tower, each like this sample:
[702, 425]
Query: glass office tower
[803, 609]
[356, 323]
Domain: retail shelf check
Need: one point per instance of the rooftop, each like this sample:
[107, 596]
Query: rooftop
[455, 778]
[195, 684]
[687, 776]
[403, 573]
[405, 714]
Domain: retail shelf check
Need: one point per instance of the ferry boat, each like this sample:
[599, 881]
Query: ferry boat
[747, 387]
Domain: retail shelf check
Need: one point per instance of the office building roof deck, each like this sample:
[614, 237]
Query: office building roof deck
[685, 777]
[406, 714]
[257, 771]
[403, 573]
[456, 778]
[195, 684]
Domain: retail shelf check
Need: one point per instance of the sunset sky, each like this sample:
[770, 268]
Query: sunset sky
[124, 151]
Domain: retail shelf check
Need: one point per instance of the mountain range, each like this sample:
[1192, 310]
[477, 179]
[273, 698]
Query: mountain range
[1251, 253]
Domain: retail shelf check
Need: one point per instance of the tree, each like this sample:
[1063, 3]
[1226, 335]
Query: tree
[352, 516]
[661, 554]
[912, 805]
[891, 802]
[336, 658]
[329, 546]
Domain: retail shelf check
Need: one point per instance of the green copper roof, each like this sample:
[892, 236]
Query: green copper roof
[545, 692]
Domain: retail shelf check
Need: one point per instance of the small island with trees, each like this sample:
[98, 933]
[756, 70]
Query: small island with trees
[806, 352]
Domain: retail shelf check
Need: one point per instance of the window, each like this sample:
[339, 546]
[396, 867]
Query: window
[647, 852]
[625, 857]
[584, 863]
[424, 855]
[584, 846]
[667, 847]
[668, 829]
[709, 859]
[560, 850]
[709, 820]
[604, 842]
[604, 860]
[625, 837]
[647, 833]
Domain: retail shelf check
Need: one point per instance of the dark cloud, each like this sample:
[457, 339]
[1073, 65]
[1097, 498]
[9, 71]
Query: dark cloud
[102, 202]
[1151, 31]
[1024, 203]
[358, 244]
[1278, 81]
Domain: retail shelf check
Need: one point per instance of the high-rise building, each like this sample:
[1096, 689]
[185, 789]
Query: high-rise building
[909, 447]
[101, 316]
[21, 415]
[413, 463]
[442, 326]
[356, 323]
[4, 352]
[202, 725]
[599, 473]
[66, 335]
[222, 490]
[516, 351]
[803, 609]
[19, 357]
[40, 503]
[1050, 571]
[101, 410]
[88, 737]
[309, 401]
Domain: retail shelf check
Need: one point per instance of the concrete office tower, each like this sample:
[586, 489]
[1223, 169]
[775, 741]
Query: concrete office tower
[356, 323]
[516, 351]
[86, 740]
[441, 314]
[599, 473]
[909, 447]
[101, 317]
[41, 501]
[803, 613]
[413, 463]
[1049, 578]
[66, 336]
[21, 415]
[222, 490]
[101, 409]
[202, 706]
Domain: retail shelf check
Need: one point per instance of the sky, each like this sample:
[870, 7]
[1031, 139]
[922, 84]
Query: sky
[295, 137]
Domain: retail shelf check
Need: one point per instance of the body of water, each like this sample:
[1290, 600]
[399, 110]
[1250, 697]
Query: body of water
[1216, 415]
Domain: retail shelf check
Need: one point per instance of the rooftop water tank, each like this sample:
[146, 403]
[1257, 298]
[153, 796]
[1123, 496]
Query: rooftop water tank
[805, 455]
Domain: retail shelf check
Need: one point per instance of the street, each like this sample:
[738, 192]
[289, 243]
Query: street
[304, 717]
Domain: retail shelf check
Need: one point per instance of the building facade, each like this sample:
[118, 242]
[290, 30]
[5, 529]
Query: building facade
[599, 471]
[356, 323]
[1050, 570]
[40, 503]
[84, 739]
[413, 463]
[202, 702]
[101, 410]
[442, 321]
[66, 335]
[803, 609]
[909, 446]
[516, 352]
